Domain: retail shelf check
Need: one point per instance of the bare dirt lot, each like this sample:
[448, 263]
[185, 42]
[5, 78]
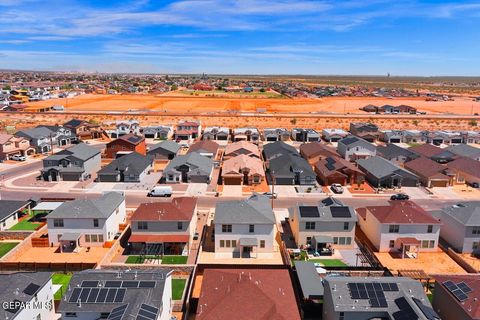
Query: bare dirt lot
[192, 104]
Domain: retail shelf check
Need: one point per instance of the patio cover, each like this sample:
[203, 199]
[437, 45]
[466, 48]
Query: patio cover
[47, 206]
[323, 239]
[409, 241]
[70, 237]
[153, 238]
[248, 242]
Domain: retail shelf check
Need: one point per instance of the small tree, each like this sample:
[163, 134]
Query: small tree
[473, 123]
[293, 121]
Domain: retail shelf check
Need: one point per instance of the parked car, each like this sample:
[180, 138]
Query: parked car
[160, 191]
[475, 185]
[270, 195]
[18, 157]
[337, 188]
[195, 236]
[400, 196]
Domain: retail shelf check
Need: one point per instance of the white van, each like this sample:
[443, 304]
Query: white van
[160, 191]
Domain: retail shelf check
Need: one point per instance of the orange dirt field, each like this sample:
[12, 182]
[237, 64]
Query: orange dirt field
[182, 104]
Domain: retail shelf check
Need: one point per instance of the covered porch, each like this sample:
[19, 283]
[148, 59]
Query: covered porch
[323, 245]
[69, 242]
[408, 246]
[163, 244]
[248, 247]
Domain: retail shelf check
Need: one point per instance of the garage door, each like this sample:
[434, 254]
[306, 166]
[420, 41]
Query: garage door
[394, 140]
[70, 177]
[439, 183]
[232, 181]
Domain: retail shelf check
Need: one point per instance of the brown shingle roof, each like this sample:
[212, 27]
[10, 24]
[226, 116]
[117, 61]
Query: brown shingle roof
[314, 149]
[471, 306]
[427, 150]
[206, 145]
[402, 212]
[177, 209]
[467, 165]
[425, 167]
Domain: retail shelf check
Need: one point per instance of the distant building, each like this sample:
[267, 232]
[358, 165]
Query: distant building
[353, 148]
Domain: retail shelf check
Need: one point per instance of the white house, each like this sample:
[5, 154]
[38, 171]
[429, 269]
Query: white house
[245, 228]
[27, 295]
[124, 127]
[10, 211]
[85, 222]
[401, 227]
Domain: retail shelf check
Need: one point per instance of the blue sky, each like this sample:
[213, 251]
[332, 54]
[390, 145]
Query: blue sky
[369, 37]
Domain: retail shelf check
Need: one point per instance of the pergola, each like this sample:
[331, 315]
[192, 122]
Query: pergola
[418, 275]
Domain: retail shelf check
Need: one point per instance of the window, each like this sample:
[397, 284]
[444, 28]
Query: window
[335, 240]
[234, 243]
[222, 243]
[391, 244]
[262, 243]
[309, 240]
[179, 225]
[95, 223]
[342, 241]
[341, 316]
[346, 225]
[142, 225]
[310, 225]
[429, 228]
[93, 238]
[393, 228]
[256, 179]
[348, 240]
[87, 238]
[226, 228]
[100, 238]
[251, 228]
[227, 243]
[476, 230]
[58, 223]
[475, 245]
[428, 243]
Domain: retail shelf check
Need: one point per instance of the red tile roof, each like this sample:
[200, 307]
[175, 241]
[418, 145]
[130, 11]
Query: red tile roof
[427, 150]
[402, 212]
[157, 238]
[471, 306]
[254, 294]
[176, 209]
[408, 240]
[466, 165]
[425, 167]
[207, 145]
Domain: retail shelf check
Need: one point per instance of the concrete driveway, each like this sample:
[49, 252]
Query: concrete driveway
[232, 191]
[196, 189]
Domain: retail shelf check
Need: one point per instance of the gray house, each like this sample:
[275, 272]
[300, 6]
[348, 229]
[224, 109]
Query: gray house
[165, 150]
[465, 150]
[360, 298]
[158, 132]
[191, 167]
[305, 135]
[286, 166]
[323, 227]
[42, 138]
[461, 225]
[392, 136]
[76, 163]
[383, 173]
[352, 148]
[132, 167]
[396, 154]
[276, 134]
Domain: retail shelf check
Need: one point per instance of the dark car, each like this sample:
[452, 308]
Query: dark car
[400, 196]
[475, 185]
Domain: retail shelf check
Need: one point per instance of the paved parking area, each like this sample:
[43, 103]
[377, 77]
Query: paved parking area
[196, 189]
[285, 191]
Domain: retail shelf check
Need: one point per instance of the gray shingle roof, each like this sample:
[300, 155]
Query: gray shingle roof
[80, 151]
[391, 151]
[352, 141]
[283, 165]
[199, 164]
[467, 213]
[35, 133]
[464, 150]
[132, 163]
[101, 207]
[278, 148]
[168, 145]
[310, 281]
[380, 167]
[254, 210]
[9, 207]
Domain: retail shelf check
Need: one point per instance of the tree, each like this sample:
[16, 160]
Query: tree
[7, 87]
[293, 121]
[262, 90]
[173, 87]
[473, 123]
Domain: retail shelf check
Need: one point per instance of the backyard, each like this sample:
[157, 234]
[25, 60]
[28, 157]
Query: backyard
[329, 262]
[165, 259]
[26, 225]
[62, 279]
[178, 285]
[5, 247]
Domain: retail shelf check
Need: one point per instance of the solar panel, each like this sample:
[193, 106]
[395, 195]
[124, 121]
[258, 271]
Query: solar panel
[309, 212]
[130, 284]
[84, 294]
[93, 295]
[111, 295]
[90, 284]
[113, 284]
[393, 287]
[147, 312]
[374, 292]
[117, 313]
[460, 295]
[330, 166]
[458, 290]
[31, 289]
[406, 312]
[120, 295]
[340, 212]
[146, 284]
[102, 295]
[75, 294]
[465, 288]
[426, 310]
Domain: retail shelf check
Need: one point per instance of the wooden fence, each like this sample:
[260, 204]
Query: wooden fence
[48, 266]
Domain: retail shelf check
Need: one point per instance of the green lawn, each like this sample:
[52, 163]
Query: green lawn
[139, 259]
[174, 259]
[64, 280]
[178, 285]
[25, 225]
[329, 262]
[5, 247]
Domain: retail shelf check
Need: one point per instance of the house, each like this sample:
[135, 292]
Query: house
[383, 173]
[401, 227]
[323, 227]
[11, 145]
[464, 170]
[276, 134]
[187, 130]
[168, 226]
[238, 294]
[337, 170]
[305, 135]
[286, 166]
[414, 136]
[116, 294]
[86, 223]
[396, 154]
[10, 211]
[391, 136]
[132, 167]
[27, 295]
[243, 170]
[124, 127]
[246, 134]
[352, 148]
[158, 132]
[125, 144]
[334, 135]
[84, 130]
[189, 168]
[206, 148]
[368, 298]
[456, 296]
[461, 225]
[241, 148]
[165, 150]
[444, 137]
[245, 228]
[465, 150]
[43, 138]
[365, 130]
[216, 133]
[433, 152]
[431, 173]
[311, 284]
[316, 151]
[471, 137]
[77, 163]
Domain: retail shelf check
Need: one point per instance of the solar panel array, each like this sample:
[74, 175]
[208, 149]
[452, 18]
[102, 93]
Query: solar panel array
[460, 291]
[309, 212]
[147, 312]
[97, 295]
[134, 139]
[117, 313]
[31, 289]
[426, 310]
[373, 291]
[406, 312]
[340, 212]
